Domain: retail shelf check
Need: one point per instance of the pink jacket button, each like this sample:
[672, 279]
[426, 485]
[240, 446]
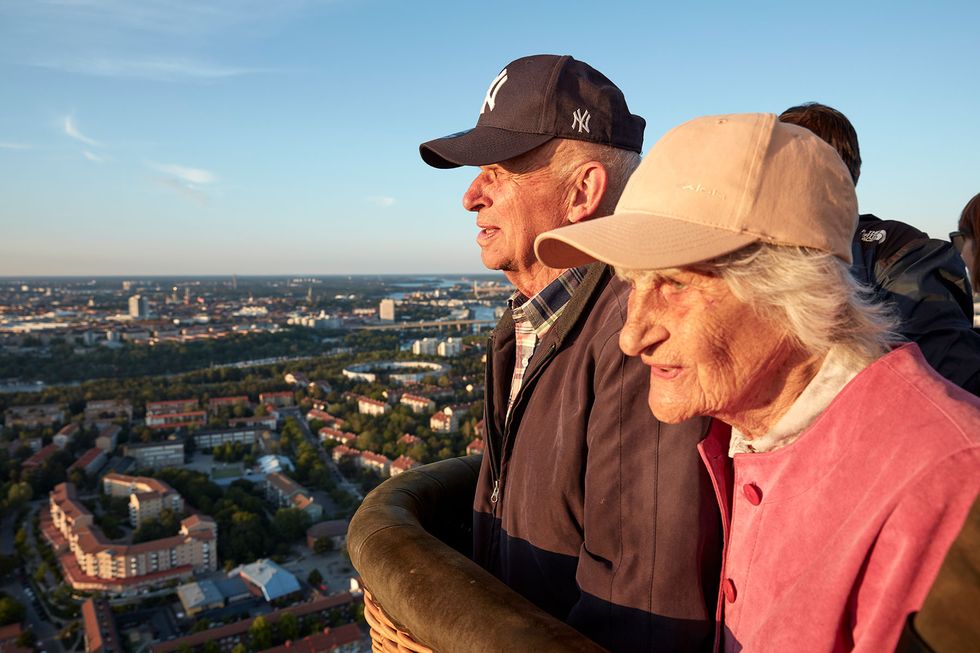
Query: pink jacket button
[752, 493]
[729, 589]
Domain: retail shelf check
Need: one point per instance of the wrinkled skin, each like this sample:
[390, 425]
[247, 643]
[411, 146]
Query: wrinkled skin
[711, 354]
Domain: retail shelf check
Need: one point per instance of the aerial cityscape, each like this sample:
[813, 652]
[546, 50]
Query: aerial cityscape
[180, 457]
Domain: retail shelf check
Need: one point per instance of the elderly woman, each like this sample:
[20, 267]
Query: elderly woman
[843, 465]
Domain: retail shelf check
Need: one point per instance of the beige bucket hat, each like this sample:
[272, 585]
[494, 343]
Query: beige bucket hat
[714, 185]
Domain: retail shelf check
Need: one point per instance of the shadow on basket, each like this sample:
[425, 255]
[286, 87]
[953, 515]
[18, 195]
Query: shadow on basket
[410, 542]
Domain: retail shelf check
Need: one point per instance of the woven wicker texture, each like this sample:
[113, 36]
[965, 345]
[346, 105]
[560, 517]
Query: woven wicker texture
[386, 637]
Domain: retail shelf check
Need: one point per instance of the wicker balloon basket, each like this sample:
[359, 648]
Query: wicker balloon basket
[386, 637]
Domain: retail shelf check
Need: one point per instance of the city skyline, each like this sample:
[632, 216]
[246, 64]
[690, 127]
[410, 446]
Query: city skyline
[170, 138]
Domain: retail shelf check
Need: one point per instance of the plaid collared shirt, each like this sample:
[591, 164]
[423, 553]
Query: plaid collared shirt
[533, 317]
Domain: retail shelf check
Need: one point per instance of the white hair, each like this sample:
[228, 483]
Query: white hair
[619, 165]
[812, 294]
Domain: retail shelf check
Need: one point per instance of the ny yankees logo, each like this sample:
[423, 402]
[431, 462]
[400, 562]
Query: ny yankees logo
[581, 118]
[491, 98]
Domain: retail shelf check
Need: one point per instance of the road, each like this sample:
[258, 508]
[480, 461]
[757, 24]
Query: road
[342, 482]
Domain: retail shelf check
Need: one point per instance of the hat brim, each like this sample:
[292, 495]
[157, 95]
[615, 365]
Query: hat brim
[479, 146]
[636, 241]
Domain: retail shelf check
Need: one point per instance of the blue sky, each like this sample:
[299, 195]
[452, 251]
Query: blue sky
[281, 137]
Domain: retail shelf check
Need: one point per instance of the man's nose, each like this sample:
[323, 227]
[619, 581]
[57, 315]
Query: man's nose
[640, 331]
[474, 198]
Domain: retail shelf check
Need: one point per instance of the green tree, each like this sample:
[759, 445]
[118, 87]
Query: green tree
[288, 626]
[260, 634]
[19, 494]
[315, 578]
[323, 545]
[290, 524]
[11, 611]
[239, 648]
[211, 647]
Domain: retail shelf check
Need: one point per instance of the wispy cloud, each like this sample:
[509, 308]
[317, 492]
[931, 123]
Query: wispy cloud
[187, 181]
[72, 130]
[381, 200]
[190, 192]
[156, 69]
[15, 146]
[192, 176]
[95, 158]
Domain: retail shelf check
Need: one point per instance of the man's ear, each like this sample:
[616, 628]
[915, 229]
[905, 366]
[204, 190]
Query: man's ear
[589, 187]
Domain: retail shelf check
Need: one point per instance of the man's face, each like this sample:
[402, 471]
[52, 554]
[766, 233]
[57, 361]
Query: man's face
[516, 200]
[708, 352]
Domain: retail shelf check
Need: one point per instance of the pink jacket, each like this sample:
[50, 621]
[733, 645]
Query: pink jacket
[832, 541]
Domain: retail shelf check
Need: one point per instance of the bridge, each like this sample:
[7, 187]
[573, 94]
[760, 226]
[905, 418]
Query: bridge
[429, 324]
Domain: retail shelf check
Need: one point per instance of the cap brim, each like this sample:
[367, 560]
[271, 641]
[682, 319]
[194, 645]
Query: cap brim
[636, 241]
[479, 146]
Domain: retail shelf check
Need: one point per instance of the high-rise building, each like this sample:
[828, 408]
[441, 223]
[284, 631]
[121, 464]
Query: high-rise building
[139, 307]
[386, 310]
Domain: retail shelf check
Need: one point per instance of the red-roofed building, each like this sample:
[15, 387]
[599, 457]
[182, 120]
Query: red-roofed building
[340, 452]
[443, 423]
[108, 437]
[284, 492]
[377, 462]
[100, 627]
[217, 403]
[90, 462]
[284, 398]
[65, 435]
[329, 640]
[8, 639]
[409, 440]
[418, 404]
[476, 446]
[40, 458]
[368, 406]
[176, 420]
[403, 464]
[343, 437]
[172, 406]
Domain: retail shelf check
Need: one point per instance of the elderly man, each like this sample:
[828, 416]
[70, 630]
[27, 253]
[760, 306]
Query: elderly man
[923, 279]
[586, 505]
[844, 467]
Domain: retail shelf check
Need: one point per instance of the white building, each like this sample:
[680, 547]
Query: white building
[386, 310]
[450, 347]
[139, 307]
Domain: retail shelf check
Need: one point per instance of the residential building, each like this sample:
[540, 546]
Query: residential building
[91, 562]
[34, 416]
[172, 406]
[443, 423]
[157, 455]
[99, 626]
[90, 462]
[268, 422]
[376, 462]
[335, 435]
[108, 437]
[417, 403]
[474, 447]
[409, 440]
[200, 596]
[450, 347]
[403, 464]
[193, 418]
[368, 406]
[215, 404]
[297, 379]
[342, 452]
[386, 310]
[41, 458]
[218, 437]
[226, 637]
[107, 410]
[284, 492]
[65, 435]
[278, 399]
[425, 347]
[139, 307]
[148, 497]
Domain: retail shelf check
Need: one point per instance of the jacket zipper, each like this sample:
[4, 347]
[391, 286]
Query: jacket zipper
[496, 466]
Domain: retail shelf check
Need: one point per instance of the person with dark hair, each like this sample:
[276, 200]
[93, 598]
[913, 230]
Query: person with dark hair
[586, 505]
[969, 227]
[923, 279]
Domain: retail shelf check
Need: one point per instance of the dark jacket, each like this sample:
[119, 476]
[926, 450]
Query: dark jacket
[586, 504]
[924, 279]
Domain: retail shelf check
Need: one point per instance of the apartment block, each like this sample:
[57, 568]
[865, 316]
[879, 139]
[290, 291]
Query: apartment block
[157, 454]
